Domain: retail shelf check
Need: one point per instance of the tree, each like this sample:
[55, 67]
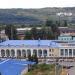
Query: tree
[54, 28]
[49, 22]
[28, 35]
[11, 32]
[34, 33]
[65, 23]
[49, 34]
[35, 58]
[43, 33]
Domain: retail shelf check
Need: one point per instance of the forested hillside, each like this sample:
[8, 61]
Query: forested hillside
[36, 16]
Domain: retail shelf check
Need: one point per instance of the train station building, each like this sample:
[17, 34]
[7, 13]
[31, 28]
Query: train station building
[42, 48]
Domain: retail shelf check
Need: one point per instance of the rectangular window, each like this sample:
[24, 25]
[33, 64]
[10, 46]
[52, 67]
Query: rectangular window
[73, 52]
[62, 52]
[66, 52]
[49, 50]
[70, 52]
[49, 54]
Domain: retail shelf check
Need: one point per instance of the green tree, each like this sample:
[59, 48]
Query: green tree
[11, 32]
[34, 33]
[28, 35]
[49, 22]
[35, 58]
[65, 23]
[49, 34]
[54, 29]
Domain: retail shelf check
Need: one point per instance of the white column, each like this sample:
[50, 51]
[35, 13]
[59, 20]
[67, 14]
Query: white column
[47, 52]
[15, 52]
[64, 52]
[31, 52]
[5, 53]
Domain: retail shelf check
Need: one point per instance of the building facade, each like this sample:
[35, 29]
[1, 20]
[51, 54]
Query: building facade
[42, 48]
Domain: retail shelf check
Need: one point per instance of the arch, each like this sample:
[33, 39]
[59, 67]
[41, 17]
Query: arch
[40, 53]
[12, 53]
[2, 52]
[28, 52]
[34, 52]
[23, 53]
[8, 53]
[45, 52]
[18, 53]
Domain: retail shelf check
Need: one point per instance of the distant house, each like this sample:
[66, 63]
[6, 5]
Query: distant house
[67, 31]
[65, 37]
[66, 34]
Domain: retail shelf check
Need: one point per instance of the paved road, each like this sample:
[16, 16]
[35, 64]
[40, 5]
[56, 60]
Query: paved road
[71, 71]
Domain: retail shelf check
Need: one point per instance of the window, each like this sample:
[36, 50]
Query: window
[23, 53]
[70, 52]
[12, 52]
[52, 54]
[45, 52]
[49, 50]
[73, 52]
[7, 53]
[18, 53]
[39, 53]
[66, 52]
[28, 52]
[62, 52]
[49, 54]
[2, 53]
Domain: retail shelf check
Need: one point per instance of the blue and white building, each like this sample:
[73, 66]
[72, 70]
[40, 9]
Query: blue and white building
[42, 48]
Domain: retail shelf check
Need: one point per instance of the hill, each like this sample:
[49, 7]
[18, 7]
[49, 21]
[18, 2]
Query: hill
[36, 16]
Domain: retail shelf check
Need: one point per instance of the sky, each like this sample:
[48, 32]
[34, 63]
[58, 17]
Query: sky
[36, 3]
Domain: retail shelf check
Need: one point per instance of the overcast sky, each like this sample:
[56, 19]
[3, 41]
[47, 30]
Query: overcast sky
[36, 3]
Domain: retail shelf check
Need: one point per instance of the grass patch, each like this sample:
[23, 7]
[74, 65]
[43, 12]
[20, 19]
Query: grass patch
[42, 69]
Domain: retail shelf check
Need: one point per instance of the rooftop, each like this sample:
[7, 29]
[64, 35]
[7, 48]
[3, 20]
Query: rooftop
[16, 43]
[37, 43]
